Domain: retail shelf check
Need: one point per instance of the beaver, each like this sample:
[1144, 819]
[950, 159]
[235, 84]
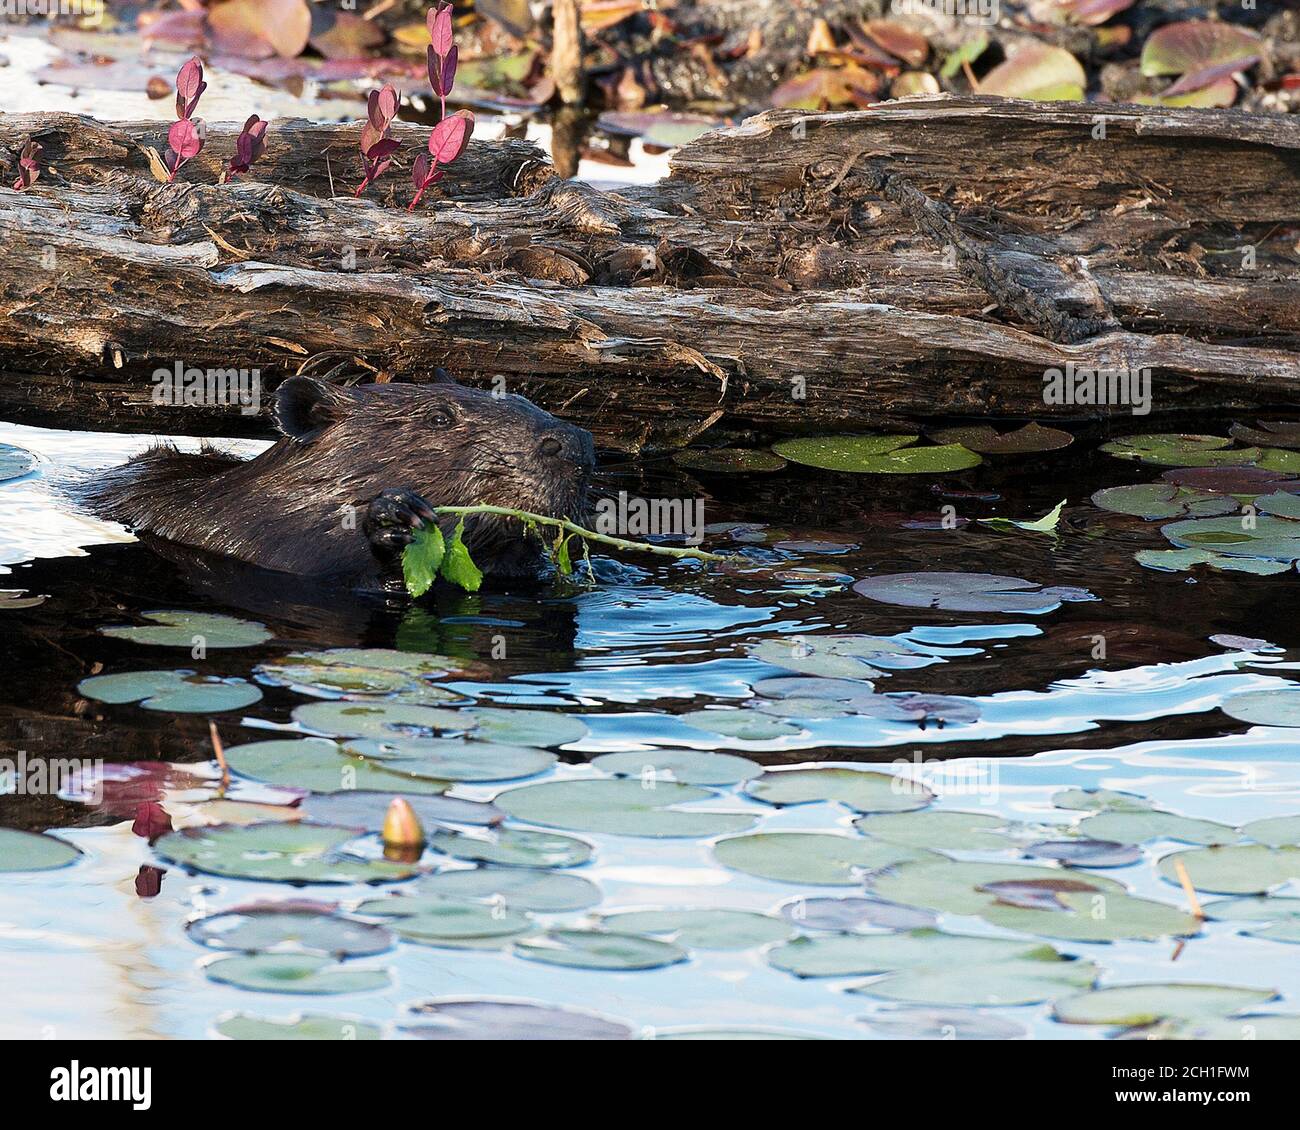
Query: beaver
[356, 472]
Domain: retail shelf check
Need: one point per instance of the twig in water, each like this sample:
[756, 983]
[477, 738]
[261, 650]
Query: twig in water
[1192, 901]
[219, 750]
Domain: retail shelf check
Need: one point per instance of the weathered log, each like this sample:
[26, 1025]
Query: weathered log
[796, 273]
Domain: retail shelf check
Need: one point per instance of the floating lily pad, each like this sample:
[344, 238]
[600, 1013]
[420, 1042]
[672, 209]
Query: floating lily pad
[178, 692]
[1139, 827]
[729, 1034]
[621, 807]
[940, 831]
[859, 789]
[522, 727]
[598, 949]
[805, 687]
[1098, 800]
[299, 926]
[521, 889]
[294, 973]
[366, 811]
[842, 955]
[514, 847]
[1279, 707]
[380, 721]
[280, 852]
[957, 887]
[968, 592]
[705, 928]
[1268, 433]
[320, 765]
[1276, 539]
[1132, 1005]
[190, 629]
[809, 857]
[686, 766]
[845, 914]
[1175, 450]
[1234, 869]
[15, 462]
[985, 440]
[433, 920]
[729, 460]
[1252, 1026]
[1155, 501]
[31, 851]
[879, 454]
[509, 1020]
[942, 1024]
[1280, 504]
[1245, 481]
[1279, 917]
[1276, 831]
[803, 709]
[744, 725]
[362, 671]
[1182, 560]
[453, 759]
[842, 658]
[1022, 981]
[243, 1027]
[1096, 916]
[908, 706]
[1086, 853]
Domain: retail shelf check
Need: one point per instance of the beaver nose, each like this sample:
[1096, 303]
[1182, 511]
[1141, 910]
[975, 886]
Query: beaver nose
[551, 447]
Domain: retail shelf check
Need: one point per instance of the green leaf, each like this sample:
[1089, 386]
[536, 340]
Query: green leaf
[1044, 525]
[422, 559]
[457, 566]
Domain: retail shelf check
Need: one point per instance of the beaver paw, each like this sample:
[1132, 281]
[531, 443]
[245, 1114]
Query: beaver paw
[392, 519]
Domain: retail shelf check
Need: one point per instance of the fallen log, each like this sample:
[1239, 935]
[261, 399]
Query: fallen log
[800, 272]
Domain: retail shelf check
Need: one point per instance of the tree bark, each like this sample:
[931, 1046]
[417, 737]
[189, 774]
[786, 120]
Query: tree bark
[798, 273]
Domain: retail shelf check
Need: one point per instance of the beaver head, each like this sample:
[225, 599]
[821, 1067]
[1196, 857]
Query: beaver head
[449, 444]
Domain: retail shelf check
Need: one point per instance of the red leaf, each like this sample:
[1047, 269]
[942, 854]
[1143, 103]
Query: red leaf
[148, 881]
[449, 70]
[189, 80]
[383, 147]
[450, 136]
[184, 139]
[151, 821]
[420, 170]
[439, 21]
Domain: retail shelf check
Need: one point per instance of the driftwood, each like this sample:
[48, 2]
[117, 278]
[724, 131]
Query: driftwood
[800, 272]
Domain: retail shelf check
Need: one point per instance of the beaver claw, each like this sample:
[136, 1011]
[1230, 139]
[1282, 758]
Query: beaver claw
[392, 519]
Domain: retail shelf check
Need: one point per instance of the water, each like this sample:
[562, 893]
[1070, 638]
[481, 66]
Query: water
[85, 955]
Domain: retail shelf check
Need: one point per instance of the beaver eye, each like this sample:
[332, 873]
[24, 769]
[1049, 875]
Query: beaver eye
[441, 418]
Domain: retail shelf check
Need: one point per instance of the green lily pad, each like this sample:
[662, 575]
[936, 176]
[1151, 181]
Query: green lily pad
[1183, 560]
[956, 887]
[1127, 827]
[433, 920]
[178, 692]
[1129, 1006]
[744, 725]
[240, 1026]
[942, 1024]
[1276, 539]
[1268, 433]
[300, 926]
[702, 928]
[810, 857]
[804, 709]
[379, 721]
[32, 851]
[1281, 504]
[1253, 1026]
[367, 811]
[509, 1020]
[1279, 916]
[278, 852]
[729, 460]
[598, 949]
[859, 789]
[968, 592]
[1021, 981]
[1099, 800]
[522, 727]
[846, 659]
[1275, 831]
[15, 462]
[320, 765]
[1171, 449]
[685, 766]
[1164, 501]
[878, 454]
[985, 440]
[368, 670]
[1234, 869]
[621, 807]
[544, 891]
[940, 831]
[1086, 853]
[453, 759]
[189, 629]
[842, 955]
[294, 973]
[843, 914]
[1279, 707]
[1096, 916]
[514, 847]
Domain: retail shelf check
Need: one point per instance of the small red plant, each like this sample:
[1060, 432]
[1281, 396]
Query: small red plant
[452, 133]
[186, 136]
[249, 145]
[377, 142]
[29, 166]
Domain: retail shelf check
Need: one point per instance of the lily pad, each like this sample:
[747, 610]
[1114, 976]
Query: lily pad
[810, 857]
[845, 914]
[547, 892]
[1099, 800]
[1280, 504]
[298, 926]
[859, 789]
[985, 440]
[453, 759]
[1268, 433]
[958, 887]
[1183, 560]
[1275, 831]
[968, 592]
[621, 807]
[1172, 449]
[1276, 539]
[433, 920]
[240, 1026]
[879, 454]
[703, 928]
[942, 1024]
[598, 949]
[509, 1020]
[514, 847]
[1278, 918]
[1155, 501]
[805, 687]
[940, 831]
[294, 973]
[178, 692]
[522, 727]
[1096, 916]
[366, 811]
[191, 629]
[320, 765]
[15, 462]
[1132, 1005]
[908, 706]
[278, 852]
[842, 955]
[842, 658]
[1129, 827]
[1279, 707]
[32, 851]
[379, 721]
[686, 766]
[744, 725]
[1086, 853]
[729, 460]
[1234, 869]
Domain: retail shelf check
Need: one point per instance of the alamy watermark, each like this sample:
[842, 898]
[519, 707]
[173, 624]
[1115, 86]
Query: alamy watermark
[630, 516]
[1082, 384]
[207, 388]
[53, 776]
[89, 11]
[969, 11]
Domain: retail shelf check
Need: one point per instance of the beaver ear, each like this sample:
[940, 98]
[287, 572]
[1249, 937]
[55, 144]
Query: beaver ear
[304, 408]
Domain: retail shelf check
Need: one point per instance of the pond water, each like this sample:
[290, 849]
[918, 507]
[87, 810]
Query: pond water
[1005, 714]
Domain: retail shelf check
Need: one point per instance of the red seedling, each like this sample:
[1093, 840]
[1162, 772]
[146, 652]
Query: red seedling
[452, 133]
[377, 142]
[249, 145]
[29, 166]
